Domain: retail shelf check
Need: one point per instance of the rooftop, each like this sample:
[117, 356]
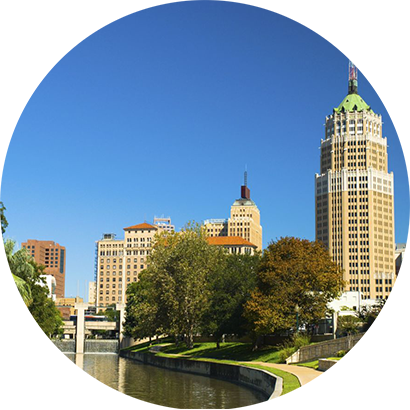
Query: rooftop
[229, 241]
[352, 102]
[143, 226]
[244, 202]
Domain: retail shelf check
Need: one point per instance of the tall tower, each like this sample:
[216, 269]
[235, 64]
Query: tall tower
[245, 220]
[355, 196]
[245, 217]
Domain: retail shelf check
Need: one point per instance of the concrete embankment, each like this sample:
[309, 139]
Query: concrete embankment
[260, 380]
[90, 346]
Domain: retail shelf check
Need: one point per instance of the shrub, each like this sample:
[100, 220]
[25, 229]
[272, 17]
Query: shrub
[285, 353]
[341, 353]
[300, 340]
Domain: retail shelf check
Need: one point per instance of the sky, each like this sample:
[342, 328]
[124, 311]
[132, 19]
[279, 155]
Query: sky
[160, 112]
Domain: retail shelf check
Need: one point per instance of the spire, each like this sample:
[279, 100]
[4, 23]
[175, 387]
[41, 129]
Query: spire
[245, 192]
[352, 48]
[352, 78]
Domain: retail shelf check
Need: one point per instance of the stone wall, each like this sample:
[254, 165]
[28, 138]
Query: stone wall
[91, 346]
[101, 346]
[325, 364]
[66, 346]
[260, 380]
[323, 349]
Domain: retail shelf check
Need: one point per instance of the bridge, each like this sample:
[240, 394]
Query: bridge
[81, 328]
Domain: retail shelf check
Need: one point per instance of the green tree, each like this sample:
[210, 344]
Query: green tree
[348, 324]
[294, 275]
[4, 222]
[178, 272]
[368, 314]
[231, 286]
[28, 277]
[110, 312]
[141, 311]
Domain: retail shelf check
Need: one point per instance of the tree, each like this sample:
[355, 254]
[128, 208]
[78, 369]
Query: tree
[141, 311]
[368, 314]
[348, 324]
[295, 277]
[231, 286]
[110, 312]
[178, 275]
[4, 222]
[28, 277]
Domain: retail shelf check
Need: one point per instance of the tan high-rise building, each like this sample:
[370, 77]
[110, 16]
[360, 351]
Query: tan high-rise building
[119, 261]
[51, 255]
[355, 196]
[244, 221]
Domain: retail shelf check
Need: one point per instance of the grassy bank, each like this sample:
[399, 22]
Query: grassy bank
[227, 351]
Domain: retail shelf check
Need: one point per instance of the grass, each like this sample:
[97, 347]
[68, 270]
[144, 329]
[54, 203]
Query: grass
[313, 364]
[227, 351]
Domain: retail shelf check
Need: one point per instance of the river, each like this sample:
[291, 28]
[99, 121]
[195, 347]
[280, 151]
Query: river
[165, 387]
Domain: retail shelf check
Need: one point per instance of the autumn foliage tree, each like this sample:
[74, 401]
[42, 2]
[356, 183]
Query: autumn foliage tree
[294, 274]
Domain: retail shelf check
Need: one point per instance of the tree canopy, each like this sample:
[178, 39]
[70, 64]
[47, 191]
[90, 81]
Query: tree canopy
[4, 222]
[28, 276]
[178, 273]
[231, 286]
[295, 277]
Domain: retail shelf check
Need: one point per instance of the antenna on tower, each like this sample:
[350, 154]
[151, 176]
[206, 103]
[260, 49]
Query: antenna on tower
[246, 176]
[353, 83]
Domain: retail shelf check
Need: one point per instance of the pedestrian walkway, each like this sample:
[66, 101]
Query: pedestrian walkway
[312, 383]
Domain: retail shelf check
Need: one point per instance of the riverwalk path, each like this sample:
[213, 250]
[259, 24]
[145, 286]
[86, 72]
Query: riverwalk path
[312, 383]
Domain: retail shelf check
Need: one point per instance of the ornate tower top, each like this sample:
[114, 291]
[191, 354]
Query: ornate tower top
[352, 79]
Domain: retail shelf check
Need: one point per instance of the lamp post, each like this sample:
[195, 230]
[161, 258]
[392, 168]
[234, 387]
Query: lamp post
[297, 318]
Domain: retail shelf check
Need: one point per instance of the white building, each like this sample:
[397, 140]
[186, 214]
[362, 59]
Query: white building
[51, 284]
[92, 292]
[350, 301]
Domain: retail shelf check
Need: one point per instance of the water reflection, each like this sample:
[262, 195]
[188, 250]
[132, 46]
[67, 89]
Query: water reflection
[165, 387]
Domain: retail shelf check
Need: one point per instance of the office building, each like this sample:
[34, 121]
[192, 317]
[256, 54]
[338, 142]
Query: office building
[244, 220]
[51, 255]
[119, 261]
[354, 195]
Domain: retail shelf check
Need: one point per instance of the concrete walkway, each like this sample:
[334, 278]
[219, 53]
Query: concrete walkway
[312, 383]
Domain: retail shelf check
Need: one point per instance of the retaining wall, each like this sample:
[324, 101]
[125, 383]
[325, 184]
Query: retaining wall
[91, 346]
[101, 346]
[325, 364]
[323, 349]
[260, 380]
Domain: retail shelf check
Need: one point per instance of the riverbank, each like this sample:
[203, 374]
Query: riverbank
[239, 354]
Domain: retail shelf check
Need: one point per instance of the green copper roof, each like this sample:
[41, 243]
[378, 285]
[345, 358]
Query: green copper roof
[353, 102]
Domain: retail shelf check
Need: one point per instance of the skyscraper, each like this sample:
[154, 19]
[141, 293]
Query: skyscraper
[355, 196]
[52, 256]
[243, 222]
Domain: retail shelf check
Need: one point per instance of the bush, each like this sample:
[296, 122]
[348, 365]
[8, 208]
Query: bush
[300, 340]
[341, 353]
[285, 353]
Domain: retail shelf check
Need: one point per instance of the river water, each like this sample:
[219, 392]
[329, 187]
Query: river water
[165, 387]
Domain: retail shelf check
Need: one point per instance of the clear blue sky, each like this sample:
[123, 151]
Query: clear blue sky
[158, 113]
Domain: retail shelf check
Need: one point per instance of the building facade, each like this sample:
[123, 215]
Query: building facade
[354, 194]
[92, 293]
[244, 220]
[120, 261]
[164, 224]
[51, 255]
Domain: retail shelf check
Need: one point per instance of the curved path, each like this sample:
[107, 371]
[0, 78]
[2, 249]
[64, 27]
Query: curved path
[312, 383]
